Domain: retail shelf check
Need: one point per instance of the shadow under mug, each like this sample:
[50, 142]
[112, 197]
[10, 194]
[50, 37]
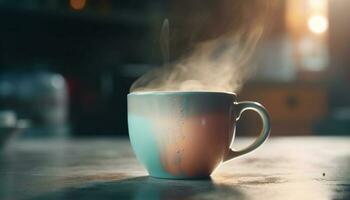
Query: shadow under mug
[186, 135]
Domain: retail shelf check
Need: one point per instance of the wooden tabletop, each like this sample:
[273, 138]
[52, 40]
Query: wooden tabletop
[283, 168]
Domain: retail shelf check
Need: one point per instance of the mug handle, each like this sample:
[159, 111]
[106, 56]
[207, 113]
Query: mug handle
[260, 109]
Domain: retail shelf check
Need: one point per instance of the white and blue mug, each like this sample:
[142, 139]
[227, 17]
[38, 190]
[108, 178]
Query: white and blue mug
[186, 135]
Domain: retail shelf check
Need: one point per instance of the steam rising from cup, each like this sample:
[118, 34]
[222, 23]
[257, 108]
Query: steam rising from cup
[220, 64]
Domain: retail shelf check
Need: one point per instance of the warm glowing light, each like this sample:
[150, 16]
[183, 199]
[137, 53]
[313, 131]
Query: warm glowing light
[77, 4]
[318, 24]
[317, 4]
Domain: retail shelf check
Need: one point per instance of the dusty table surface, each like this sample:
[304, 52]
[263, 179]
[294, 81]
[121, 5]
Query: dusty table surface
[283, 168]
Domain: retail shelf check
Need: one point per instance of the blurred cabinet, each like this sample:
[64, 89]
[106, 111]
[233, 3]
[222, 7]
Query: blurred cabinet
[293, 108]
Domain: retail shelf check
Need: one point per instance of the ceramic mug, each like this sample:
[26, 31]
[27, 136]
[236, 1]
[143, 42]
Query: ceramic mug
[186, 135]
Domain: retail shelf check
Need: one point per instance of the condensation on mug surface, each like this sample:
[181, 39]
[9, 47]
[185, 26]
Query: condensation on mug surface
[173, 140]
[197, 147]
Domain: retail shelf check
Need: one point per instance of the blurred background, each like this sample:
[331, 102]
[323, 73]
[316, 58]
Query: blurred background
[66, 66]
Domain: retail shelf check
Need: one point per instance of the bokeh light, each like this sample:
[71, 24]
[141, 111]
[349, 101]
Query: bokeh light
[77, 4]
[318, 24]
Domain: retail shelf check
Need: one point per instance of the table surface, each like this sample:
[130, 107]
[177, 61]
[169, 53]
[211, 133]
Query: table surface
[283, 168]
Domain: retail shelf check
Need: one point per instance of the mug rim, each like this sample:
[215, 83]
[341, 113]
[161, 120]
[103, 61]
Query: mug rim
[137, 93]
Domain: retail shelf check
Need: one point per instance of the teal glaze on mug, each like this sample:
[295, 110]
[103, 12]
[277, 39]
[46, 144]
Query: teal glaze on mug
[186, 135]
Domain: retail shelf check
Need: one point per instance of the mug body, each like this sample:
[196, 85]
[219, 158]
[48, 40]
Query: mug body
[181, 135]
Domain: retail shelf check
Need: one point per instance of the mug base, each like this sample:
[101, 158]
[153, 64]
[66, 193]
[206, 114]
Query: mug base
[171, 177]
